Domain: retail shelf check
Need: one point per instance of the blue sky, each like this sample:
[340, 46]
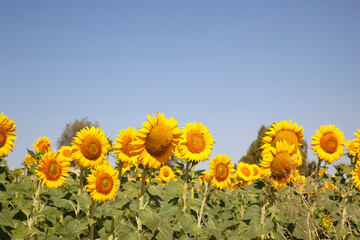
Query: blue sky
[232, 65]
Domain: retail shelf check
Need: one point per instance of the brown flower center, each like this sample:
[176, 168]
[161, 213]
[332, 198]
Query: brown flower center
[44, 147]
[281, 166]
[195, 142]
[245, 171]
[159, 140]
[91, 148]
[128, 147]
[67, 153]
[104, 183]
[221, 172]
[329, 143]
[256, 171]
[166, 173]
[53, 171]
[3, 137]
[288, 136]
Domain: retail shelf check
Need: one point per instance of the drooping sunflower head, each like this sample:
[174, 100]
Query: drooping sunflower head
[279, 165]
[42, 144]
[66, 153]
[166, 174]
[244, 172]
[102, 183]
[52, 170]
[283, 131]
[221, 170]
[196, 143]
[28, 160]
[157, 140]
[356, 175]
[328, 143]
[90, 147]
[123, 146]
[7, 136]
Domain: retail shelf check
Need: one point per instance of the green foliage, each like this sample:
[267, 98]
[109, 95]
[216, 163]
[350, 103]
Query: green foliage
[314, 212]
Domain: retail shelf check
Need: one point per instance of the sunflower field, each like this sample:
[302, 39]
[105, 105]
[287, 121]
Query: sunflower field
[75, 192]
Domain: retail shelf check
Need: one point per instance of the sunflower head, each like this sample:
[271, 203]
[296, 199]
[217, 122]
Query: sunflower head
[52, 170]
[29, 159]
[7, 136]
[328, 143]
[157, 140]
[283, 131]
[196, 143]
[166, 174]
[353, 147]
[279, 165]
[221, 170]
[66, 153]
[42, 144]
[123, 146]
[90, 147]
[244, 172]
[356, 175]
[206, 176]
[102, 182]
[255, 169]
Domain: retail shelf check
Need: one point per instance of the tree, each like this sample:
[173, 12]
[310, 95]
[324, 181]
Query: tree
[253, 154]
[70, 130]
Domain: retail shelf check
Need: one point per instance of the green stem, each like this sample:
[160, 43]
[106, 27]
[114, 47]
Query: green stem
[263, 208]
[206, 194]
[185, 184]
[92, 227]
[141, 197]
[35, 205]
[79, 193]
[120, 171]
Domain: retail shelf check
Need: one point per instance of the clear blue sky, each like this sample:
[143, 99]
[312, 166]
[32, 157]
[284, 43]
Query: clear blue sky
[232, 65]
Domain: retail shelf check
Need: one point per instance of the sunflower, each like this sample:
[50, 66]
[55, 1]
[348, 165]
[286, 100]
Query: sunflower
[7, 137]
[357, 139]
[29, 159]
[356, 175]
[255, 169]
[328, 143]
[279, 165]
[42, 144]
[244, 172]
[206, 176]
[167, 174]
[157, 140]
[102, 182]
[221, 170]
[52, 170]
[352, 147]
[123, 146]
[196, 144]
[285, 130]
[90, 147]
[66, 152]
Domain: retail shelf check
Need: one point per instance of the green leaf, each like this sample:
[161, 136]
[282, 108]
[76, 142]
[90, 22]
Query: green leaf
[5, 217]
[165, 231]
[185, 222]
[155, 190]
[250, 212]
[149, 218]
